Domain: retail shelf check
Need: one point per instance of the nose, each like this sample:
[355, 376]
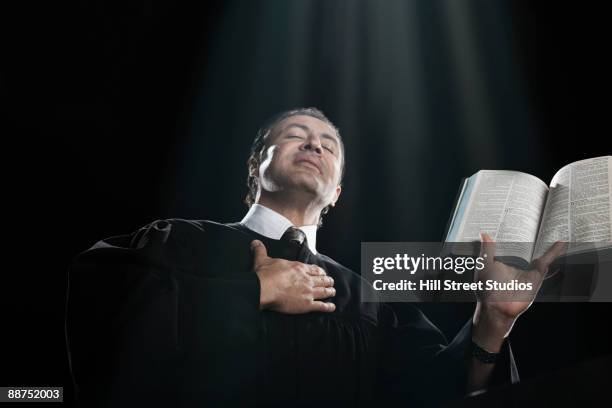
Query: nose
[312, 143]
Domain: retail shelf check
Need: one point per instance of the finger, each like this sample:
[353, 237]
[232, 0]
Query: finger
[554, 252]
[259, 251]
[315, 270]
[323, 293]
[323, 281]
[318, 306]
[487, 247]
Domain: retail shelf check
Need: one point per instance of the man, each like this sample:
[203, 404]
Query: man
[189, 313]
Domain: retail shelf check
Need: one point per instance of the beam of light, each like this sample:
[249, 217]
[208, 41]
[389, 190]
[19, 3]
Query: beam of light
[470, 83]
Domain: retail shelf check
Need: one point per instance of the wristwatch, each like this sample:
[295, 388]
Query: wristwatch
[483, 355]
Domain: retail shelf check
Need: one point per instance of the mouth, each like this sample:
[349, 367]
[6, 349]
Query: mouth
[309, 163]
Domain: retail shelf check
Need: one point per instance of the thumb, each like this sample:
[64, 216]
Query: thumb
[487, 247]
[554, 252]
[259, 251]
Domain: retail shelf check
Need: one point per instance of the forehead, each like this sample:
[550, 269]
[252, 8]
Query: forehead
[313, 124]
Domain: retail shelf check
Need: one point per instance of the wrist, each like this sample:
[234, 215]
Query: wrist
[490, 328]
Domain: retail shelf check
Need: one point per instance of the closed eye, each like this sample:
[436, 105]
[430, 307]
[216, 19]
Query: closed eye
[290, 136]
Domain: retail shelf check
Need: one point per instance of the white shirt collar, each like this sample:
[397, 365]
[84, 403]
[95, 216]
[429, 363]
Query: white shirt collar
[273, 225]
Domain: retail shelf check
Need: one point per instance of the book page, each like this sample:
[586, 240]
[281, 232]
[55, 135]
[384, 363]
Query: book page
[507, 205]
[578, 208]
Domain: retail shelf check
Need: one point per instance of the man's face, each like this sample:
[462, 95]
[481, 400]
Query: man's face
[303, 154]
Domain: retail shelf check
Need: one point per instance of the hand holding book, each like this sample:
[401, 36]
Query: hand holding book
[510, 304]
[495, 316]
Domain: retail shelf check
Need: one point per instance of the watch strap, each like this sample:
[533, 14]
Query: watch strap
[483, 355]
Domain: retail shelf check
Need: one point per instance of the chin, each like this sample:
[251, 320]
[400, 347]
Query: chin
[306, 182]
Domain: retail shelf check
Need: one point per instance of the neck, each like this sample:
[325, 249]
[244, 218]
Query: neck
[298, 210]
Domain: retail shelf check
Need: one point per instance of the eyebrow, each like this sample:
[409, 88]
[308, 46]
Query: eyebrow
[308, 130]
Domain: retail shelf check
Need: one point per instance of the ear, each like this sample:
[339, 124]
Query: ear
[336, 196]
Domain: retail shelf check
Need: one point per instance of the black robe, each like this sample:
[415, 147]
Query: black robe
[169, 316]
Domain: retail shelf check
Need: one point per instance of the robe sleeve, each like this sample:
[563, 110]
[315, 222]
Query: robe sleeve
[419, 366]
[142, 307]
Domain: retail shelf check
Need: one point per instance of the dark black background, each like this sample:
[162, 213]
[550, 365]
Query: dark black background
[101, 98]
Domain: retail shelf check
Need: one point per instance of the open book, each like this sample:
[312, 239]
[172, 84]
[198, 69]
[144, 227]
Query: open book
[525, 216]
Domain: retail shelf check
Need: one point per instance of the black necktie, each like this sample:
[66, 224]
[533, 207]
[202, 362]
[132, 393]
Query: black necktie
[294, 235]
